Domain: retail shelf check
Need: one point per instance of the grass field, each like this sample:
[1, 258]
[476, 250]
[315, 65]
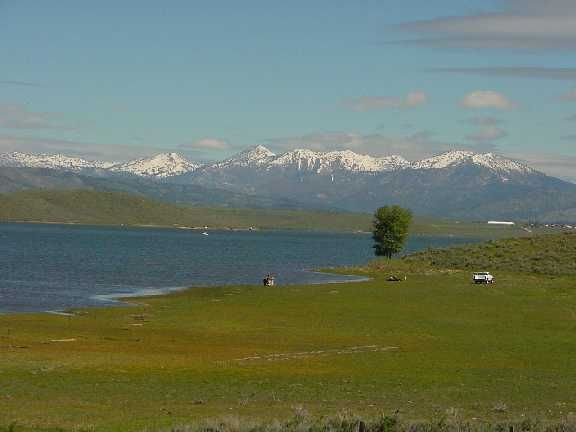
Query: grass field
[116, 208]
[431, 345]
[546, 254]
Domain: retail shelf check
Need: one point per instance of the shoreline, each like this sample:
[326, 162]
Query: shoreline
[124, 299]
[189, 228]
[466, 235]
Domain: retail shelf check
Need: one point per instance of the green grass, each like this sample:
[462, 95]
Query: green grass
[431, 345]
[117, 208]
[546, 254]
[459, 346]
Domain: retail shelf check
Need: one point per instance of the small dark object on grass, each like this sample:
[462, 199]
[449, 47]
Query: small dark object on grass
[393, 278]
[268, 280]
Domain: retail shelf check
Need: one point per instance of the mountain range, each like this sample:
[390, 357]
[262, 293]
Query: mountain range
[459, 184]
[165, 165]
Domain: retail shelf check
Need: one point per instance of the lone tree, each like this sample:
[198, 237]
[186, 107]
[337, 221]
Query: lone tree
[391, 225]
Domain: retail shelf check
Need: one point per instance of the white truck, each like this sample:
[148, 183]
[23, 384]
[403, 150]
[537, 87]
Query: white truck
[482, 277]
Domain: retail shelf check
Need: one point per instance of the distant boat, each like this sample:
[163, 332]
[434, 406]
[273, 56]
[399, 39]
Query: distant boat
[204, 233]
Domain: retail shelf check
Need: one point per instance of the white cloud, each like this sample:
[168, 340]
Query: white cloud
[88, 150]
[374, 103]
[518, 24]
[549, 73]
[207, 144]
[416, 98]
[569, 96]
[487, 99]
[484, 121]
[320, 141]
[557, 165]
[487, 134]
[14, 116]
[20, 83]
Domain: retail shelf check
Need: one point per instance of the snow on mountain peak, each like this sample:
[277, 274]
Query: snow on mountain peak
[346, 160]
[53, 161]
[499, 163]
[444, 160]
[259, 157]
[459, 157]
[260, 149]
[351, 161]
[161, 165]
[251, 157]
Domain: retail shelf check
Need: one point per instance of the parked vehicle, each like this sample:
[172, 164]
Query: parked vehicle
[482, 277]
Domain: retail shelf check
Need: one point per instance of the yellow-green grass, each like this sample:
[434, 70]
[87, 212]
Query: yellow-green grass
[500, 351]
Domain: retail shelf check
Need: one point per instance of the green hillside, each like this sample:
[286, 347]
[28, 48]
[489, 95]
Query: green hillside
[545, 254]
[20, 179]
[119, 208]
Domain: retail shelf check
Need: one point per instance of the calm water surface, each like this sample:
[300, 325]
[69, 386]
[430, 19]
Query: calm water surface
[54, 267]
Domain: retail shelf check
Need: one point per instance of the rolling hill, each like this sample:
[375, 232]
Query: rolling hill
[13, 179]
[546, 254]
[119, 208]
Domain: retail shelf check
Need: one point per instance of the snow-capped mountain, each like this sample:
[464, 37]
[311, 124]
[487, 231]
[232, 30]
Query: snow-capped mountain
[252, 157]
[304, 160]
[166, 165]
[160, 166]
[459, 157]
[454, 184]
[56, 161]
[346, 160]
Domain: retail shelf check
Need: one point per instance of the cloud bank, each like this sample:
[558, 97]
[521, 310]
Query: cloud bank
[518, 24]
[487, 99]
[19, 83]
[87, 150]
[207, 144]
[13, 116]
[487, 134]
[569, 96]
[415, 146]
[562, 74]
[376, 103]
[561, 166]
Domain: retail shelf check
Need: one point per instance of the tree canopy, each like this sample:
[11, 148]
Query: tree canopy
[390, 230]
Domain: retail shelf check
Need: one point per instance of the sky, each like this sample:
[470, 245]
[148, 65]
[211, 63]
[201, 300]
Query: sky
[120, 79]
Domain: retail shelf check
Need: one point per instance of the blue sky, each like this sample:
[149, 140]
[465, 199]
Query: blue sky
[123, 79]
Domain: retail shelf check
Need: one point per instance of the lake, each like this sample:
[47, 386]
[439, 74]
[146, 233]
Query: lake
[54, 267]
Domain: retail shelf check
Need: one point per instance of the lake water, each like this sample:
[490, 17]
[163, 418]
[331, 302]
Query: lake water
[54, 267]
